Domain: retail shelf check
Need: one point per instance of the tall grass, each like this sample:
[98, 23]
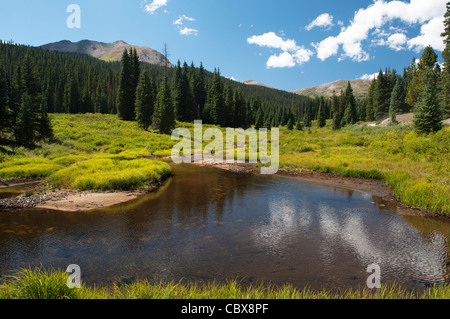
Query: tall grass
[51, 284]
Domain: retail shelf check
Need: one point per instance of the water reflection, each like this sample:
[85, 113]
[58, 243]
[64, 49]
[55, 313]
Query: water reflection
[208, 224]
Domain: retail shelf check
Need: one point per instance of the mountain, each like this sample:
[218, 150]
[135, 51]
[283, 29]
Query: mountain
[360, 88]
[107, 51]
[251, 82]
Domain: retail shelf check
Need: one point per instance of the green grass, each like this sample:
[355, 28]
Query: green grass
[51, 284]
[416, 167]
[110, 174]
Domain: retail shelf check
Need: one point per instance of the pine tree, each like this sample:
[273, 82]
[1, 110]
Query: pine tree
[199, 91]
[240, 110]
[126, 95]
[416, 85]
[164, 115]
[322, 117]
[307, 122]
[259, 122]
[350, 114]
[290, 125]
[25, 125]
[383, 95]
[397, 100]
[45, 129]
[216, 101]
[145, 101]
[299, 125]
[229, 107]
[4, 101]
[444, 83]
[428, 116]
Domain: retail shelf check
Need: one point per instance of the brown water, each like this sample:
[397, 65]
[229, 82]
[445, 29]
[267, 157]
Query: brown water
[208, 224]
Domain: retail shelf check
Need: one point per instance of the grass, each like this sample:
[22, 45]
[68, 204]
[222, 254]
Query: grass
[51, 284]
[416, 167]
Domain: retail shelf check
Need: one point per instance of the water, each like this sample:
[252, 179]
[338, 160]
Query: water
[208, 224]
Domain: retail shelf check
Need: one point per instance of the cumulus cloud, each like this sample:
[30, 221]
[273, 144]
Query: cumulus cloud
[379, 14]
[324, 20]
[155, 5]
[373, 76]
[183, 18]
[188, 31]
[271, 40]
[396, 41]
[292, 53]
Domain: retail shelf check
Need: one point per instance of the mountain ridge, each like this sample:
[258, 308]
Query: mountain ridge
[109, 52]
[360, 88]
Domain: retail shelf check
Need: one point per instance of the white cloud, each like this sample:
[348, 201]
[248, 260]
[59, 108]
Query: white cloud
[292, 53]
[429, 35]
[271, 40]
[283, 60]
[396, 41]
[155, 5]
[369, 76]
[188, 31]
[183, 18]
[324, 20]
[376, 16]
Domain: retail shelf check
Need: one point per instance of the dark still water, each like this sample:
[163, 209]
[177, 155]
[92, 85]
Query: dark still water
[209, 224]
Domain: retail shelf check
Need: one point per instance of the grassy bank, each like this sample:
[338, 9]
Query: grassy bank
[417, 168]
[41, 284]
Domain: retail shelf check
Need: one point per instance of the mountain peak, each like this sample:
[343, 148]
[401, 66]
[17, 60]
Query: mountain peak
[107, 51]
[360, 88]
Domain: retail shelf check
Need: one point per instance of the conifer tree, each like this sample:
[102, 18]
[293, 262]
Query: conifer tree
[229, 107]
[45, 129]
[383, 95]
[126, 94]
[299, 125]
[4, 100]
[290, 125]
[145, 101]
[321, 116]
[259, 121]
[397, 100]
[350, 114]
[444, 83]
[164, 115]
[199, 91]
[240, 110]
[307, 122]
[216, 102]
[25, 124]
[428, 116]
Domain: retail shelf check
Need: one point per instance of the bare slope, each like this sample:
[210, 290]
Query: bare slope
[107, 51]
[360, 88]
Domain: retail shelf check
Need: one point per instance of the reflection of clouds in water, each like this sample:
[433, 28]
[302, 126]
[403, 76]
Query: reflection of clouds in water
[283, 221]
[397, 247]
[400, 247]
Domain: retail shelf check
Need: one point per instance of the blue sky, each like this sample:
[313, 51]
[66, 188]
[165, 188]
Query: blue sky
[285, 44]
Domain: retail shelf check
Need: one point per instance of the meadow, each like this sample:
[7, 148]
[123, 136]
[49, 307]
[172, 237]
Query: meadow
[99, 152]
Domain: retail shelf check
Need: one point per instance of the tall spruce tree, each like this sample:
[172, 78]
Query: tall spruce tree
[444, 83]
[145, 101]
[45, 129]
[350, 114]
[428, 116]
[199, 91]
[164, 115]
[25, 124]
[126, 93]
[383, 95]
[4, 100]
[216, 100]
[397, 103]
[322, 116]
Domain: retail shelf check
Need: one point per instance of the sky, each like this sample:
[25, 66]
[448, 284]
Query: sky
[286, 44]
